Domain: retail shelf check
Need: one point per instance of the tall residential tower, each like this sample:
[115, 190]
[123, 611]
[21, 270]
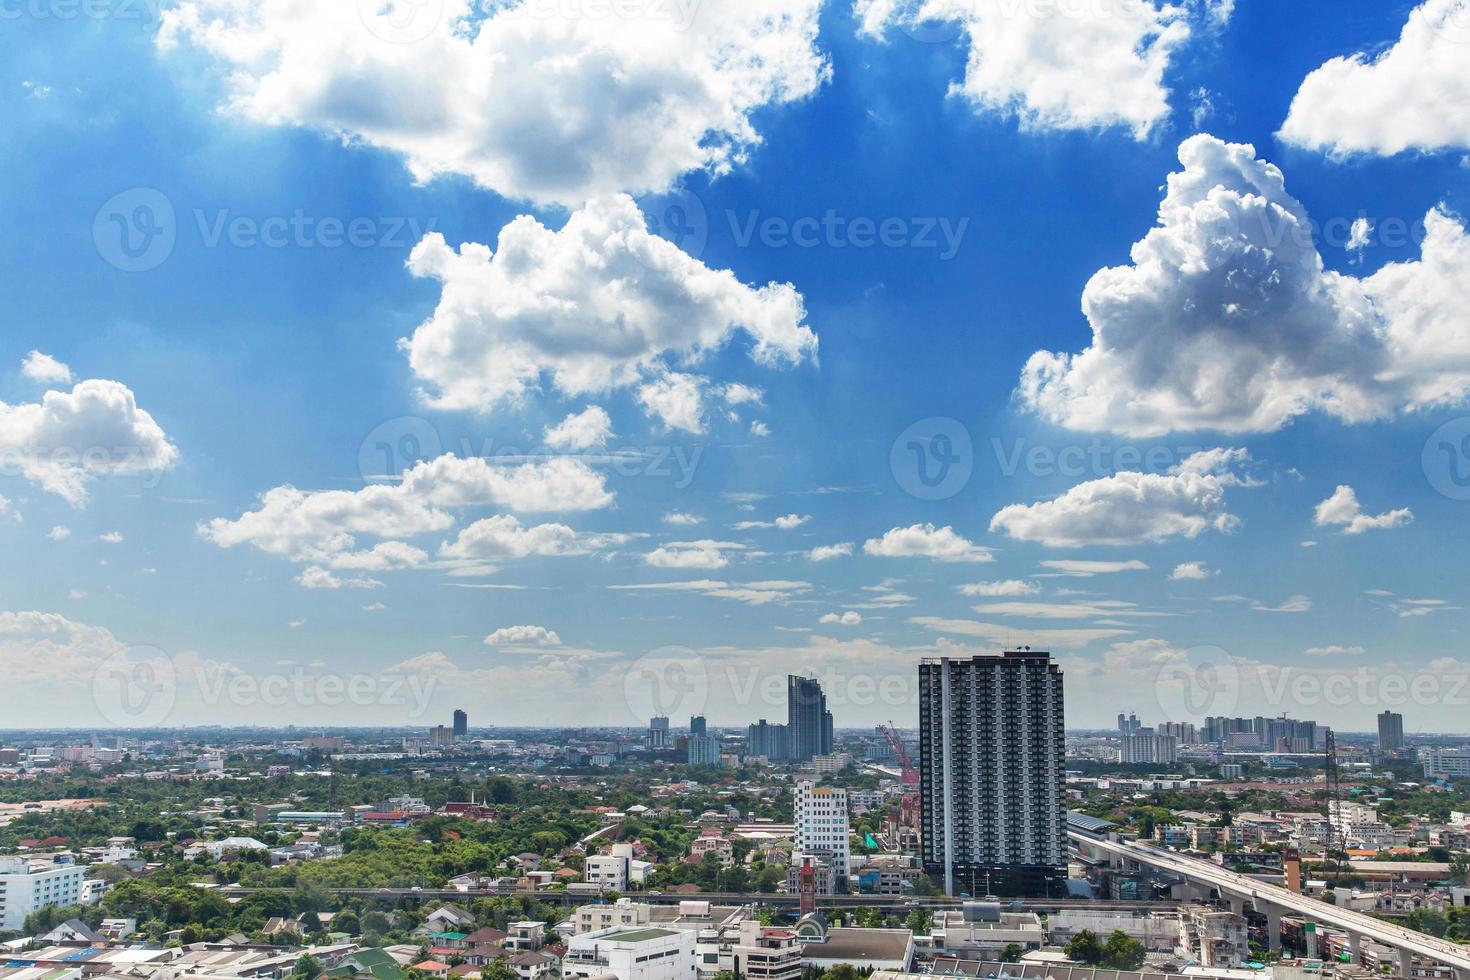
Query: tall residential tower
[992, 751]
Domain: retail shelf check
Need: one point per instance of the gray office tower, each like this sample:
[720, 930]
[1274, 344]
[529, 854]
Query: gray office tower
[697, 725]
[461, 723]
[992, 764]
[1390, 731]
[808, 722]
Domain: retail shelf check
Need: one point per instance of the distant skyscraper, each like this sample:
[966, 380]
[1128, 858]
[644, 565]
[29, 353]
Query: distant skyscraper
[992, 751]
[658, 732]
[766, 739]
[704, 750]
[1390, 731]
[808, 722]
[697, 725]
[461, 723]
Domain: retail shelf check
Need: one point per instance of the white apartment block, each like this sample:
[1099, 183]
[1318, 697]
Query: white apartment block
[821, 825]
[617, 870]
[623, 913]
[632, 954]
[1454, 763]
[31, 883]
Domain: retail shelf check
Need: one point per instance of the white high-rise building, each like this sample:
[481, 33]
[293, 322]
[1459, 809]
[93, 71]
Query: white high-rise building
[31, 883]
[992, 754]
[821, 825]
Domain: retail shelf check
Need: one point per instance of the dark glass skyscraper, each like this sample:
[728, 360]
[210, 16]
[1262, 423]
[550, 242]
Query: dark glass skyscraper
[1390, 731]
[461, 723]
[808, 722]
[992, 765]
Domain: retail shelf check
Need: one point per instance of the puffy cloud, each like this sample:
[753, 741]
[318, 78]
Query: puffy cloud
[1227, 318]
[1006, 588]
[1132, 508]
[1190, 571]
[692, 554]
[739, 394]
[1342, 508]
[555, 485]
[1062, 66]
[45, 369]
[111, 537]
[322, 526]
[68, 439]
[386, 557]
[504, 537]
[848, 618]
[926, 541]
[827, 552]
[557, 107]
[47, 648]
[600, 304]
[585, 430]
[675, 399]
[59, 533]
[1414, 96]
[680, 519]
[523, 636]
[759, 429]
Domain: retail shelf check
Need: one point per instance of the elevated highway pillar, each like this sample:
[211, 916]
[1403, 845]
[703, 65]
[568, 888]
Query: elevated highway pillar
[1406, 964]
[1273, 926]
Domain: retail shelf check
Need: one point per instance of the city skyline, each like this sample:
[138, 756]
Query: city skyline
[322, 406]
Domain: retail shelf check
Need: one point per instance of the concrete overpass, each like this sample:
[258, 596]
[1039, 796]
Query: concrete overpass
[1273, 901]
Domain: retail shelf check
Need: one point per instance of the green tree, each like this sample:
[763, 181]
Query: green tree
[1085, 947]
[307, 968]
[919, 922]
[498, 970]
[1123, 952]
[1012, 953]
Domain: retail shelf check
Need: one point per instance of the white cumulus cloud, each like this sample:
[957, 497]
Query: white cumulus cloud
[68, 439]
[601, 304]
[1061, 66]
[1412, 97]
[45, 369]
[1133, 508]
[1343, 508]
[926, 541]
[523, 636]
[553, 106]
[1227, 318]
[589, 429]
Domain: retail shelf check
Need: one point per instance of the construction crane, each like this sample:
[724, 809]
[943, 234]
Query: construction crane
[908, 807]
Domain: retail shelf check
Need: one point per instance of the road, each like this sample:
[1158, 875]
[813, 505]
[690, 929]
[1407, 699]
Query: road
[1265, 897]
[733, 898]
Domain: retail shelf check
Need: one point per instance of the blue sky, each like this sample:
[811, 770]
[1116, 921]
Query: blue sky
[265, 365]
